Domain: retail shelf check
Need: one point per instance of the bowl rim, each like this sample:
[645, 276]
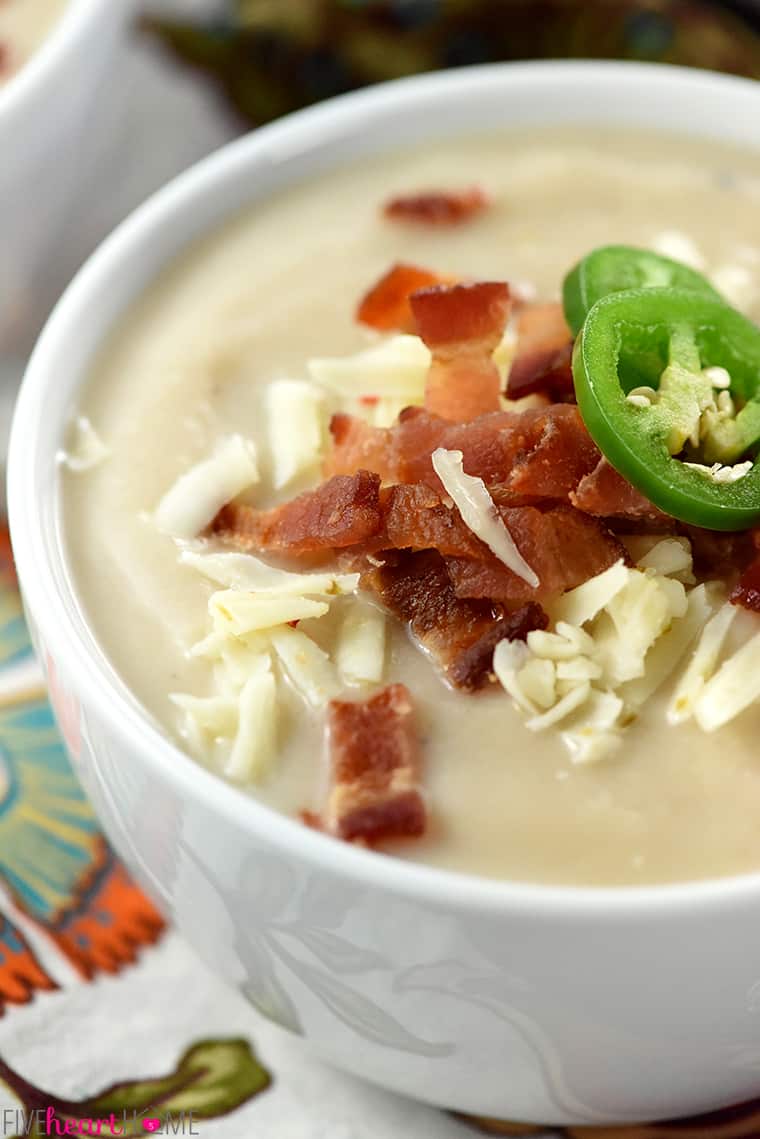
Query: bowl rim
[72, 25]
[102, 687]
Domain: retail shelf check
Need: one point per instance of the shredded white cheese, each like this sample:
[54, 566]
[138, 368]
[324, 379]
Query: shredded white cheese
[251, 622]
[295, 415]
[310, 669]
[471, 497]
[198, 495]
[594, 736]
[210, 647]
[255, 745]
[733, 688]
[396, 368]
[537, 680]
[245, 572]
[236, 613]
[632, 621]
[670, 558]
[360, 652]
[508, 658]
[582, 604]
[630, 630]
[212, 714]
[579, 668]
[571, 701]
[236, 659]
[701, 666]
[667, 652]
[566, 643]
[87, 449]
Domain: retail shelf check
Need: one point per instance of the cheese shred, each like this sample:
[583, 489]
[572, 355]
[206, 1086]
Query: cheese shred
[471, 497]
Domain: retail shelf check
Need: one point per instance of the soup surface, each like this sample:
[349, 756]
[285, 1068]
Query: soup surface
[279, 285]
[24, 24]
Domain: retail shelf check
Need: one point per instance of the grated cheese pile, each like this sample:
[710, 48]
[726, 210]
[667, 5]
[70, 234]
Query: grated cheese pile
[616, 639]
[254, 648]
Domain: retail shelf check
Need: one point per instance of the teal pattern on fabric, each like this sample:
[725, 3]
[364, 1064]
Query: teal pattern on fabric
[47, 827]
[15, 644]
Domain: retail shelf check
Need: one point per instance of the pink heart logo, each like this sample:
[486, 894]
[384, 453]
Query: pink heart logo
[151, 1124]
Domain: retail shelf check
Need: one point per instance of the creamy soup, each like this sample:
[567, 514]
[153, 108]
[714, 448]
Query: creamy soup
[278, 285]
[24, 24]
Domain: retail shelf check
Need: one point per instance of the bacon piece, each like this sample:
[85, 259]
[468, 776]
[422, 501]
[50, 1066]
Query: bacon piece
[467, 318]
[341, 512]
[537, 453]
[415, 437]
[462, 325]
[559, 452]
[416, 519]
[605, 493]
[386, 306]
[540, 453]
[436, 207]
[544, 353]
[461, 635]
[357, 445]
[722, 554]
[489, 444]
[747, 590]
[563, 546]
[473, 666]
[398, 454]
[374, 766]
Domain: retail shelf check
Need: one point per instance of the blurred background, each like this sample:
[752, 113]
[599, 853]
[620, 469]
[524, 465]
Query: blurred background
[272, 56]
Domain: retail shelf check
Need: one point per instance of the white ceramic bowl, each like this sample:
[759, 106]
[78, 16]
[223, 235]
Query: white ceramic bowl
[536, 1003]
[49, 113]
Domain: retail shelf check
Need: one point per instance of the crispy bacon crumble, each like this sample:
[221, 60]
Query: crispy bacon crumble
[386, 306]
[341, 512]
[437, 207]
[544, 353]
[558, 453]
[746, 592]
[564, 547]
[460, 634]
[415, 518]
[606, 494]
[462, 326]
[374, 767]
